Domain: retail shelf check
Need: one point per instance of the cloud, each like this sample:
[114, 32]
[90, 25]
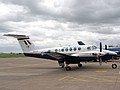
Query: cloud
[82, 12]
[11, 12]
[61, 21]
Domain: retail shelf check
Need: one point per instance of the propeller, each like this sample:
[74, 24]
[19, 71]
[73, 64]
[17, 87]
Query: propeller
[100, 47]
[100, 58]
[105, 47]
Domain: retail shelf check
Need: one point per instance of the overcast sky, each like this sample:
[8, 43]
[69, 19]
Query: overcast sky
[59, 22]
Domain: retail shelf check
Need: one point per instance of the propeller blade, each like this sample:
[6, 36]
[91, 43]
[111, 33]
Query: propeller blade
[100, 47]
[100, 58]
[105, 47]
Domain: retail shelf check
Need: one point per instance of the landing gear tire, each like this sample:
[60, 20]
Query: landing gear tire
[68, 68]
[114, 66]
[79, 65]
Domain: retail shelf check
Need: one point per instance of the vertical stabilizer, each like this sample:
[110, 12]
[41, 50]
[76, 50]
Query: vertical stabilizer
[24, 42]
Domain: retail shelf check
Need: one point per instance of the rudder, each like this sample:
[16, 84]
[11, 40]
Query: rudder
[24, 42]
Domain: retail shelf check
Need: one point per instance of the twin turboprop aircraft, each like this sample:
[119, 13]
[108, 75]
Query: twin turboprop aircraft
[65, 55]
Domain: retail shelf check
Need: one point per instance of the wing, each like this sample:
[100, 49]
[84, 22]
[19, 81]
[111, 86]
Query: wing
[89, 53]
[57, 55]
[60, 56]
[80, 55]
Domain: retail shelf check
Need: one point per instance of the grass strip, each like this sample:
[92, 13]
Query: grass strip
[11, 55]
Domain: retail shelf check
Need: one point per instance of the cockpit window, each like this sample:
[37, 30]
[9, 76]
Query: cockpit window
[94, 47]
[88, 48]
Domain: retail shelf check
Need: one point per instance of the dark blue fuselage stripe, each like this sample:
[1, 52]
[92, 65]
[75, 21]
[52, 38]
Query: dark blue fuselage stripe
[69, 59]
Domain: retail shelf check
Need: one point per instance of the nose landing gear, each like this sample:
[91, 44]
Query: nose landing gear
[114, 66]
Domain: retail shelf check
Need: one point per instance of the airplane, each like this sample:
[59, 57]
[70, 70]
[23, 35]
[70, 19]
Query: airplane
[65, 55]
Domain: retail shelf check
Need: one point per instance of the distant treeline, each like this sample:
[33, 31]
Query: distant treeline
[11, 55]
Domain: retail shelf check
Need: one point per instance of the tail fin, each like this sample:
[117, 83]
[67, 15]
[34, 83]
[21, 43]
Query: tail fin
[24, 42]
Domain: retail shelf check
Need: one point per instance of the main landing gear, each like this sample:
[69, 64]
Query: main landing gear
[65, 64]
[61, 63]
[68, 68]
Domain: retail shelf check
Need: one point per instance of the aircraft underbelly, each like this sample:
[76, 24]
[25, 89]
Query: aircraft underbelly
[80, 59]
[70, 60]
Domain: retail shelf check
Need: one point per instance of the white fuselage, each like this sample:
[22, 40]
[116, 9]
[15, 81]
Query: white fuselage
[79, 50]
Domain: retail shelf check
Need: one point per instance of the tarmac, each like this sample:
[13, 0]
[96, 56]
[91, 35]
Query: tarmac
[40, 74]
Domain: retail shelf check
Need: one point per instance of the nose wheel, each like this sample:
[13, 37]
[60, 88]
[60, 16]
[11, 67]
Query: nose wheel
[114, 66]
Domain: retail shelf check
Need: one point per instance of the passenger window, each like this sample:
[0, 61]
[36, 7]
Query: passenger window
[79, 48]
[56, 50]
[62, 50]
[75, 49]
[66, 49]
[70, 49]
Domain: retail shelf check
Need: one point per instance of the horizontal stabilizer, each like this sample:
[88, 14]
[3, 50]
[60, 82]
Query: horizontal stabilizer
[17, 36]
